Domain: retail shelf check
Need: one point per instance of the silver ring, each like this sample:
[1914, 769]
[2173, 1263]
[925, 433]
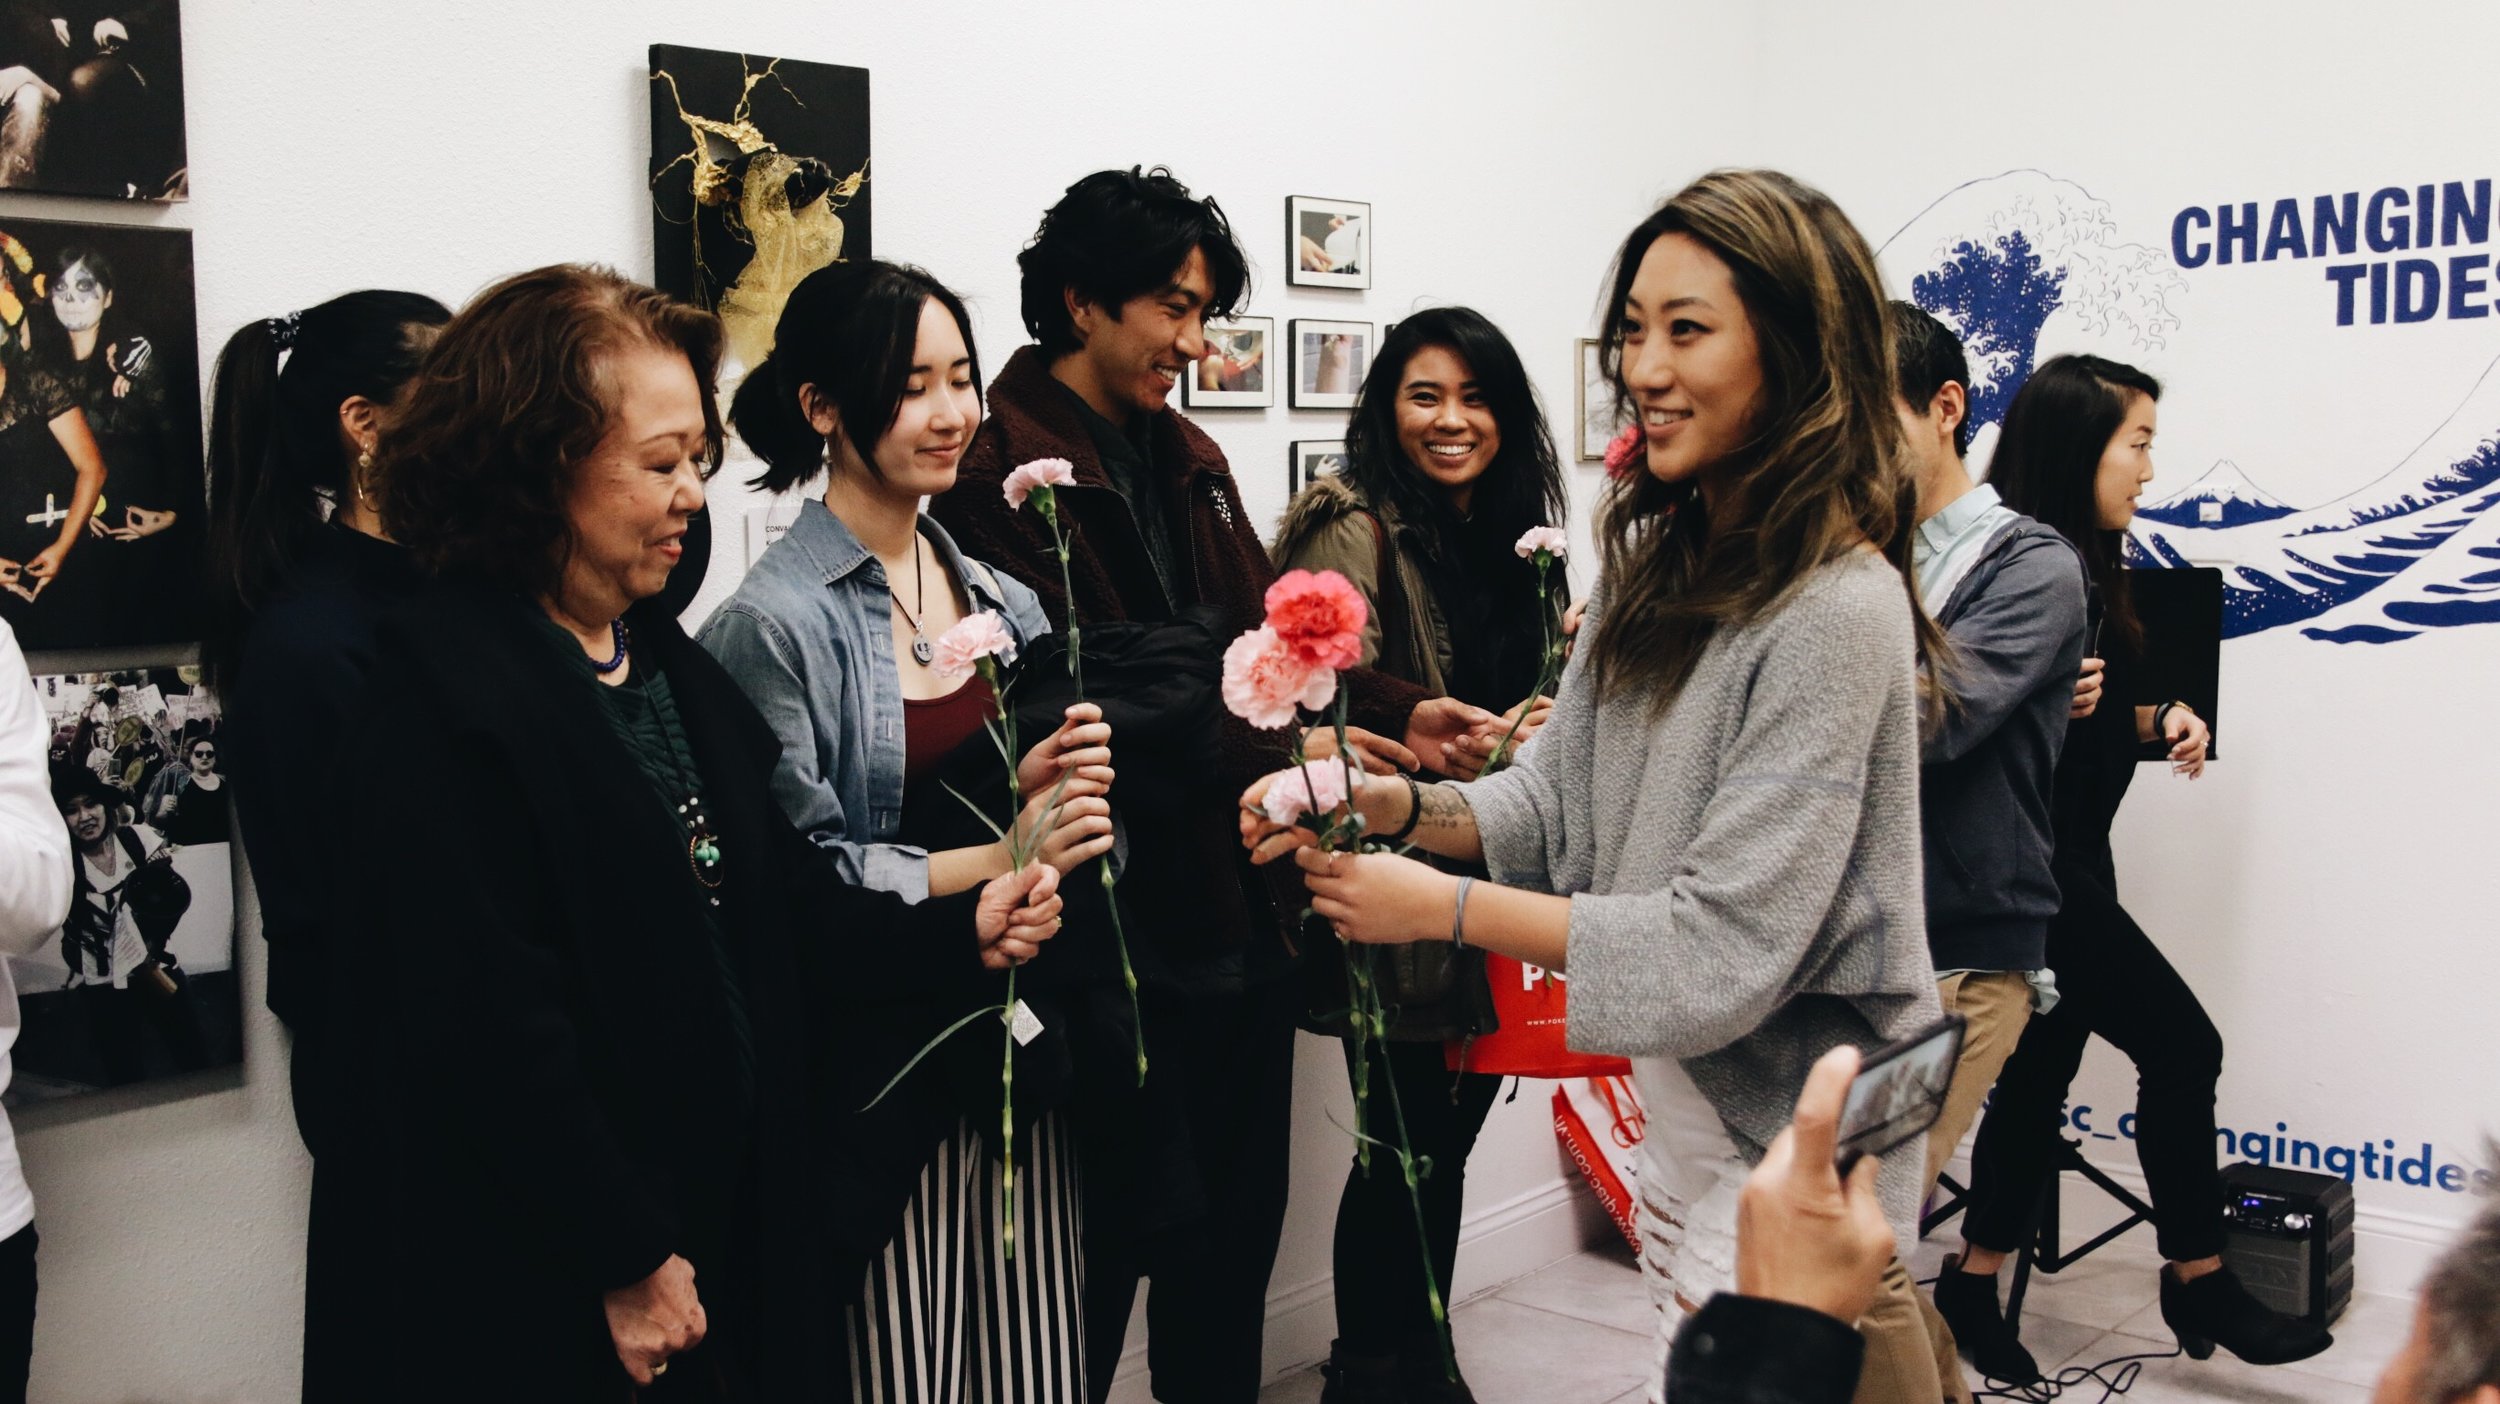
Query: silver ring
[659, 1368]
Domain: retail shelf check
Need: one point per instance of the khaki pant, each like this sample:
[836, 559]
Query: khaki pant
[1995, 1004]
[1900, 1360]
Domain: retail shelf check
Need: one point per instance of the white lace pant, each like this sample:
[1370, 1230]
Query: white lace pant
[1691, 1174]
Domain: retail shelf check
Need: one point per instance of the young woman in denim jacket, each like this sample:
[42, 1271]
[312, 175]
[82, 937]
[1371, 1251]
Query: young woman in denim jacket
[872, 378]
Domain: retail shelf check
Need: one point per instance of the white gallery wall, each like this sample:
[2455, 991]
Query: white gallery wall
[438, 146]
[2325, 886]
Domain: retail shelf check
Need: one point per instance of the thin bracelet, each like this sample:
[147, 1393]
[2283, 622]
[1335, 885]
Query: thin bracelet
[1414, 810]
[2162, 714]
[1458, 922]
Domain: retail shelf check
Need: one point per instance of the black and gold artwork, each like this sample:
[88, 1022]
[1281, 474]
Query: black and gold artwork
[91, 98]
[102, 494]
[759, 177]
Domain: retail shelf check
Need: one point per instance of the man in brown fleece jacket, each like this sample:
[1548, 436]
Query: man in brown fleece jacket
[1118, 286]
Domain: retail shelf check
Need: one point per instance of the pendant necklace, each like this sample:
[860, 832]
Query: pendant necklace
[921, 652]
[702, 843]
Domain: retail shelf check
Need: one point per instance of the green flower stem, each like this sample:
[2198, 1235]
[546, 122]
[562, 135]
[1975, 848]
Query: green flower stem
[1119, 939]
[1007, 1122]
[1358, 960]
[1006, 729]
[1423, 1244]
[1046, 500]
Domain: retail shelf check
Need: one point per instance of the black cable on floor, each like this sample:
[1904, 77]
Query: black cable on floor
[2071, 1377]
[2074, 1377]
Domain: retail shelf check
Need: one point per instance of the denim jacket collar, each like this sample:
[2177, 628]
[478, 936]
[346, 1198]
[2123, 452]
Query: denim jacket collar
[831, 548]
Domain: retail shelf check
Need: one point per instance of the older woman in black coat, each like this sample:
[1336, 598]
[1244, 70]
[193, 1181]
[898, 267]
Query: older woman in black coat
[574, 1049]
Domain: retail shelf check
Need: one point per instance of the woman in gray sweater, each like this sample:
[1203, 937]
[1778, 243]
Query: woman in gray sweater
[1716, 835]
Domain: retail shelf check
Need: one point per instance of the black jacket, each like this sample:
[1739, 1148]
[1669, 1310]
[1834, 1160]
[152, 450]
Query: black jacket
[2016, 626]
[289, 713]
[1749, 1350]
[530, 1048]
[1196, 921]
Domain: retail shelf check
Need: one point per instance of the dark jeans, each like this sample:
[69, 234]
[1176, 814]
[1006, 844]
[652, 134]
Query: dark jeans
[17, 1312]
[1207, 1312]
[2114, 982]
[1380, 1285]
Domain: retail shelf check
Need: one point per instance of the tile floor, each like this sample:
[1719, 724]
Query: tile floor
[1578, 1333]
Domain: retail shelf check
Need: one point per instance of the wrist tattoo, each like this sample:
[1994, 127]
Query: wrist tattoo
[1444, 807]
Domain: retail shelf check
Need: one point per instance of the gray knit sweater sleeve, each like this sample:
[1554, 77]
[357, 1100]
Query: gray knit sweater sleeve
[1725, 899]
[1529, 816]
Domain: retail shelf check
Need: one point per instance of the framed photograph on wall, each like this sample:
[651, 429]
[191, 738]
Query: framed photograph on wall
[103, 498]
[1234, 372]
[139, 982]
[1600, 418]
[95, 107]
[1310, 459]
[1329, 362]
[1329, 242]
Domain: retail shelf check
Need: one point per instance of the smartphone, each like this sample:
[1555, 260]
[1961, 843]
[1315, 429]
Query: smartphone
[1898, 1092]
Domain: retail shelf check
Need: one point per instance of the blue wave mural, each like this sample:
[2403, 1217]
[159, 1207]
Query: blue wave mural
[2414, 549]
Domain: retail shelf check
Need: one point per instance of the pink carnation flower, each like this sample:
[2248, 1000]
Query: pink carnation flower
[1315, 789]
[1543, 538]
[1041, 472]
[1319, 616]
[1620, 451]
[1265, 681]
[978, 635]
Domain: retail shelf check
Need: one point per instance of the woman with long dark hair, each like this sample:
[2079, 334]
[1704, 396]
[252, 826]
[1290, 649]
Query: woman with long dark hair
[872, 382]
[2075, 453]
[595, 960]
[1717, 833]
[1448, 462]
[300, 573]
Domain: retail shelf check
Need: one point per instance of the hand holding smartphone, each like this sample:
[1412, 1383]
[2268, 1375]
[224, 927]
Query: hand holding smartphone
[1899, 1092]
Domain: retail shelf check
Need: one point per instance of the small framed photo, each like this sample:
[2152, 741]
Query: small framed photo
[1234, 372]
[1601, 418]
[1311, 460]
[1329, 362]
[1330, 242]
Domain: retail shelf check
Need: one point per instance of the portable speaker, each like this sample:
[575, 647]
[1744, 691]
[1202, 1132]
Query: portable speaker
[2288, 1234]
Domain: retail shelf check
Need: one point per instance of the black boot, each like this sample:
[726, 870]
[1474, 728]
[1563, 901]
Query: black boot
[1968, 1303]
[1360, 1377]
[1426, 1380]
[2216, 1309]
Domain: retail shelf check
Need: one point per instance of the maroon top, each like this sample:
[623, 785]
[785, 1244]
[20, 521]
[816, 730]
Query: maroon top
[934, 726]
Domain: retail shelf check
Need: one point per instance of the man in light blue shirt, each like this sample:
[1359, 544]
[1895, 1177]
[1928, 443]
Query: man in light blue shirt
[2009, 595]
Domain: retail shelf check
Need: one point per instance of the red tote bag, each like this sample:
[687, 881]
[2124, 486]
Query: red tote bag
[1528, 1042]
[1600, 1124]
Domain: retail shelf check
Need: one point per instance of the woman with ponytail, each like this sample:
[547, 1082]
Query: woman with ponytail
[872, 381]
[300, 572]
[2075, 453]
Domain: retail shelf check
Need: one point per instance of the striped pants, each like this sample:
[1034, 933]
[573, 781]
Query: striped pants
[946, 1318]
